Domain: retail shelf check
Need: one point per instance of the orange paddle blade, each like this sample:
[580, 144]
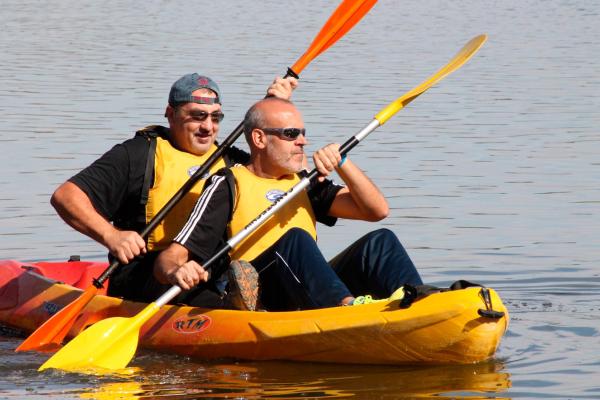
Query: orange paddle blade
[49, 336]
[348, 13]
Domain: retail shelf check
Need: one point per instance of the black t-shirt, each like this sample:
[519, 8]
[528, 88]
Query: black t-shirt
[204, 232]
[114, 182]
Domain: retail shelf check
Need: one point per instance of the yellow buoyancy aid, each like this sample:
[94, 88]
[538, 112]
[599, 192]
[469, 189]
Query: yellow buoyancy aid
[255, 194]
[172, 168]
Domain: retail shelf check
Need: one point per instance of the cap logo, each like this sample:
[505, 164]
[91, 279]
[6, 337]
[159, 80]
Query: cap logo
[202, 81]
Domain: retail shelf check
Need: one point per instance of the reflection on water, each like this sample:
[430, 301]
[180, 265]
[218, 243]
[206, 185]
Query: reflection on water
[276, 380]
[170, 377]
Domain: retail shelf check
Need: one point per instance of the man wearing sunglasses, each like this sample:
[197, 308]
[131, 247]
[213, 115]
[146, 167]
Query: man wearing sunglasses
[117, 195]
[293, 273]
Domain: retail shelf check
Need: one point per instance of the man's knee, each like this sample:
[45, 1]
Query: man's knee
[384, 235]
[299, 236]
[386, 240]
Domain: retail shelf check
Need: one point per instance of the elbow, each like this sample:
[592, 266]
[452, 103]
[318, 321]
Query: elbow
[379, 213]
[382, 214]
[66, 195]
[57, 198]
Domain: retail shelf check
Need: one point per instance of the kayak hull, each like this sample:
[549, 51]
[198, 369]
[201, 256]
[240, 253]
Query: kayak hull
[443, 327]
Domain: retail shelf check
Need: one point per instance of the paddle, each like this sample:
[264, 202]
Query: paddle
[111, 343]
[50, 335]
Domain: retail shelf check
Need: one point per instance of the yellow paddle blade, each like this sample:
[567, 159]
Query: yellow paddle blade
[459, 59]
[108, 344]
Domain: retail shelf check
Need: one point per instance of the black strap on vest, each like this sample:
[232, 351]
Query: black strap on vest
[150, 133]
[412, 293]
[149, 172]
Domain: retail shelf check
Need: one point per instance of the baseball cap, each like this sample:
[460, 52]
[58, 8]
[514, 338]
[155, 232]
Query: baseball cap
[181, 91]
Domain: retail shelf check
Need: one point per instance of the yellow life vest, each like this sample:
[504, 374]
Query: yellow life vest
[172, 168]
[255, 194]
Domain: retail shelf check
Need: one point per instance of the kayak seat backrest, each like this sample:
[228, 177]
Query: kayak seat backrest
[79, 274]
[10, 270]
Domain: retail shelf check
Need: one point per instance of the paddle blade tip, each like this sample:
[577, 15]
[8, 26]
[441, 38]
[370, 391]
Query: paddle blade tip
[49, 347]
[477, 41]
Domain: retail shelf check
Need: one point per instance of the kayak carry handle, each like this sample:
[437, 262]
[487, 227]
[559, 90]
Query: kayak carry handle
[489, 312]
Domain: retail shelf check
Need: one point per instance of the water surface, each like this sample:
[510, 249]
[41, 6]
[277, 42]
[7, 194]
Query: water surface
[492, 175]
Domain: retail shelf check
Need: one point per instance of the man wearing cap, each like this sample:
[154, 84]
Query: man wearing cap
[293, 273]
[118, 194]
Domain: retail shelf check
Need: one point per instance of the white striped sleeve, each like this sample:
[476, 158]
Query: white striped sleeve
[199, 209]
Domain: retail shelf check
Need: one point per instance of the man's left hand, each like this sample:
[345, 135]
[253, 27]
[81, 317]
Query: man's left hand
[282, 87]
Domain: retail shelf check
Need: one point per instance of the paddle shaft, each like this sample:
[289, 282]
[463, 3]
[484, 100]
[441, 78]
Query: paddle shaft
[463, 56]
[183, 190]
[387, 112]
[345, 16]
[123, 332]
[271, 210]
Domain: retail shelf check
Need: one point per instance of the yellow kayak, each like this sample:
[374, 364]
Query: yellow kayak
[454, 326]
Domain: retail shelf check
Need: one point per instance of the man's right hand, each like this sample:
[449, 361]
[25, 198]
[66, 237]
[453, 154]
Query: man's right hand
[188, 275]
[125, 245]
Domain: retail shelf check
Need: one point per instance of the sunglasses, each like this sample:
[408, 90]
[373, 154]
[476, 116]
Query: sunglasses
[199, 116]
[285, 133]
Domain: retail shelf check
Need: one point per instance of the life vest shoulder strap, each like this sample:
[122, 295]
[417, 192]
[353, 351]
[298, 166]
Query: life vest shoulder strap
[150, 133]
[153, 131]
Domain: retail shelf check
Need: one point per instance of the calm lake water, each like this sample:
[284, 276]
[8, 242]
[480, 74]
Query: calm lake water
[492, 175]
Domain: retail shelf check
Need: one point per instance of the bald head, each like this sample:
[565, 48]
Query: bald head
[266, 112]
[274, 131]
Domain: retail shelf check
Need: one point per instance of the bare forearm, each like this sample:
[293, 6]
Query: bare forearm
[169, 261]
[361, 199]
[174, 266]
